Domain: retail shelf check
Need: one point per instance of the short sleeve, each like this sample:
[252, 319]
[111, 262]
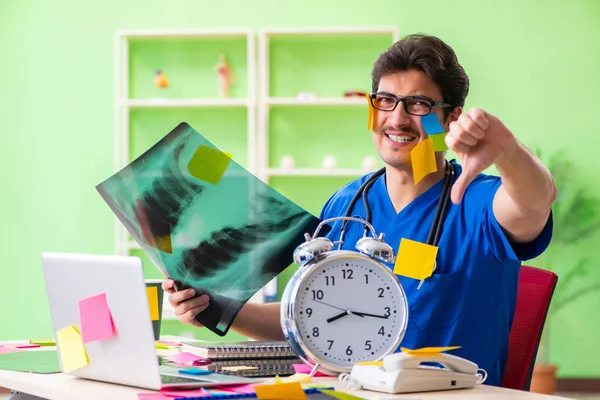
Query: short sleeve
[493, 241]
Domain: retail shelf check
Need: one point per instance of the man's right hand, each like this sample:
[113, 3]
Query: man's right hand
[185, 304]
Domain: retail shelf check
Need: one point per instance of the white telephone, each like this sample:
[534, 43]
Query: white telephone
[403, 373]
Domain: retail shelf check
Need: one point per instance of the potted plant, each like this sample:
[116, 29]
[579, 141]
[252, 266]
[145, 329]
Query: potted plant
[576, 218]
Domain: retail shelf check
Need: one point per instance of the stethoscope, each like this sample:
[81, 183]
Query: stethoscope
[440, 214]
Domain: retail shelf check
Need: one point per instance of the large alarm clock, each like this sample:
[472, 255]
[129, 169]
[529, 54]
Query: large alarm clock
[342, 307]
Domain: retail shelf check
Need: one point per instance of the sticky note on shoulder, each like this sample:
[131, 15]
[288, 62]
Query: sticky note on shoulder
[96, 319]
[208, 164]
[428, 350]
[152, 294]
[281, 391]
[415, 259]
[72, 350]
[422, 158]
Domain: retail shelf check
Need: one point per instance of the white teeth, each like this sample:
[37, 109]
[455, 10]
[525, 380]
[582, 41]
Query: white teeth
[401, 139]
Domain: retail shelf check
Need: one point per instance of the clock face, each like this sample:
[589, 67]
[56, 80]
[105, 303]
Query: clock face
[350, 309]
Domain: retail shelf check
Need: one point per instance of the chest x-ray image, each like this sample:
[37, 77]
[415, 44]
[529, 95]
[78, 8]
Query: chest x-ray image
[206, 222]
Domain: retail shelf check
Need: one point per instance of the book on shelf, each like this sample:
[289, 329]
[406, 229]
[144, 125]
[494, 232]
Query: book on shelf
[239, 350]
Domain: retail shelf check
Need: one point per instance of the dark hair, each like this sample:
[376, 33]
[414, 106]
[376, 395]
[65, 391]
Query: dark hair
[432, 56]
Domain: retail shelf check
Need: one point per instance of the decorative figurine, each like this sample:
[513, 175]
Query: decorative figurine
[329, 162]
[160, 80]
[224, 76]
[287, 162]
[369, 163]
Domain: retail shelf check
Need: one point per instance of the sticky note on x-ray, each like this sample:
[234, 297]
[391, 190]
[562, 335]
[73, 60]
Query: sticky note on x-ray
[208, 164]
[415, 259]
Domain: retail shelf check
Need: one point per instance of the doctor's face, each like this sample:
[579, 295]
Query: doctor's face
[397, 132]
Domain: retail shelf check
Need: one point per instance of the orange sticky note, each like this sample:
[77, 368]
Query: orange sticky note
[208, 164]
[340, 395]
[370, 117]
[281, 391]
[428, 350]
[439, 142]
[423, 159]
[415, 259]
[72, 350]
[152, 293]
[96, 320]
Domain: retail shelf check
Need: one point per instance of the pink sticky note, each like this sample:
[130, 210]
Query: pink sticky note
[183, 357]
[96, 320]
[6, 350]
[305, 369]
[185, 393]
[249, 388]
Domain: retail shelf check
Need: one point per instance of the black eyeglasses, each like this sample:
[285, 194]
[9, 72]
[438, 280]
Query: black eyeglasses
[414, 105]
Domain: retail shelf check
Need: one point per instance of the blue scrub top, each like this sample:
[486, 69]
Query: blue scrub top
[469, 301]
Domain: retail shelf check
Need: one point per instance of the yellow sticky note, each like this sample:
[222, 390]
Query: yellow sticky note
[208, 164]
[370, 117]
[415, 259]
[340, 395]
[439, 142]
[152, 293]
[281, 391]
[72, 351]
[428, 350]
[423, 159]
[43, 342]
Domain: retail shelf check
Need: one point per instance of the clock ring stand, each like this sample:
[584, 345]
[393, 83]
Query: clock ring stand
[316, 256]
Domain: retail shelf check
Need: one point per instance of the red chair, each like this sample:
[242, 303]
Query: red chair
[536, 287]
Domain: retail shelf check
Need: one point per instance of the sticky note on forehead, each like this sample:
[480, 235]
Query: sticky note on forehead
[208, 164]
[415, 259]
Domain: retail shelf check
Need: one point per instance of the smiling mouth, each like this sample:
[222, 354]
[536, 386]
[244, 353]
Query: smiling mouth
[401, 138]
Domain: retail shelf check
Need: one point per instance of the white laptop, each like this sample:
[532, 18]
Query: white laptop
[130, 357]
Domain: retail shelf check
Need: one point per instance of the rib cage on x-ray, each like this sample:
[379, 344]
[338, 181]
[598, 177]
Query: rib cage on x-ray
[245, 236]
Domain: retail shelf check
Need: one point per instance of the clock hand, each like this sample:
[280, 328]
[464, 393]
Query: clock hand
[342, 314]
[368, 315]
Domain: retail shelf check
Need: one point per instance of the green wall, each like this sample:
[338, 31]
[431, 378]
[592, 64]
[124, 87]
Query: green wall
[534, 64]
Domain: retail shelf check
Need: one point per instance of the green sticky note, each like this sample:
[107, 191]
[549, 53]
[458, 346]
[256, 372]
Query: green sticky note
[439, 144]
[208, 164]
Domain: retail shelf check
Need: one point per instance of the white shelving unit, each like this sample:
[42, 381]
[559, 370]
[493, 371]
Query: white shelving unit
[258, 103]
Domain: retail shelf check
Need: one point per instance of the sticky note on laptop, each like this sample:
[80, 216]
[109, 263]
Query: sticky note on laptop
[96, 319]
[208, 164]
[72, 350]
[415, 259]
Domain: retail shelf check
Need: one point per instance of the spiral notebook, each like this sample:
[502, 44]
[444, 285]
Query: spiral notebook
[239, 350]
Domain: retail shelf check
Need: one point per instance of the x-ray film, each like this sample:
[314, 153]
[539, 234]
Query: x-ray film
[206, 222]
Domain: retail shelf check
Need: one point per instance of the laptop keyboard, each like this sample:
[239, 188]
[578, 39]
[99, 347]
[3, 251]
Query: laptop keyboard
[167, 379]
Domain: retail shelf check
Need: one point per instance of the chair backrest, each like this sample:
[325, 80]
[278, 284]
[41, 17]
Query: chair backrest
[536, 287]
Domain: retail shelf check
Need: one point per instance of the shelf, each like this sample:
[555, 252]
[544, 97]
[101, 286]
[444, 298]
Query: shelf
[152, 103]
[323, 101]
[316, 172]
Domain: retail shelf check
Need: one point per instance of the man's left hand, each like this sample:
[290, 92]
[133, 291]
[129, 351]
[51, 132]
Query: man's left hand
[479, 139]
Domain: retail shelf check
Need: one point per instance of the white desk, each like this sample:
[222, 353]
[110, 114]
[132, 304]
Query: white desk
[64, 387]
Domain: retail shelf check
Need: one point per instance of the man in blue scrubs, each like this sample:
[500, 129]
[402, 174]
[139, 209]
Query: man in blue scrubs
[492, 223]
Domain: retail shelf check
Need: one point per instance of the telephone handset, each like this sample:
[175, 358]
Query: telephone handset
[406, 373]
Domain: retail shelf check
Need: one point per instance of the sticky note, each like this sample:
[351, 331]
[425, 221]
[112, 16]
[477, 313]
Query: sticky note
[415, 259]
[423, 160]
[371, 112]
[95, 318]
[208, 164]
[340, 395]
[428, 350]
[439, 142]
[72, 350]
[431, 124]
[152, 293]
[281, 391]
[43, 342]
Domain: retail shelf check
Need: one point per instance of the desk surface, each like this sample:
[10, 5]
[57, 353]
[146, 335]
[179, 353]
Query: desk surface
[65, 387]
